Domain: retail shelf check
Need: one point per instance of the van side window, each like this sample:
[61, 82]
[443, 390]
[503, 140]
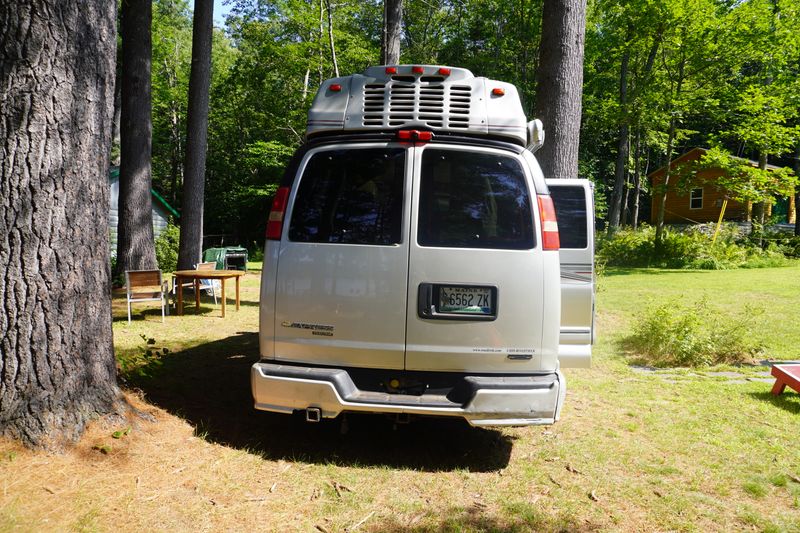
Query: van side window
[474, 200]
[570, 204]
[352, 196]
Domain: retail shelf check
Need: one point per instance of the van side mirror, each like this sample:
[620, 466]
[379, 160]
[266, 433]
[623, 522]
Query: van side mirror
[535, 135]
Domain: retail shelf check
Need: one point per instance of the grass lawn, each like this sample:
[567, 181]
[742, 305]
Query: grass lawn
[634, 451]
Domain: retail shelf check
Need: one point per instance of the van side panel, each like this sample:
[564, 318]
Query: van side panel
[266, 319]
[574, 203]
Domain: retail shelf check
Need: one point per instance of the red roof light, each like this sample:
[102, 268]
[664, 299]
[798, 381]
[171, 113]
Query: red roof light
[444, 71]
[417, 70]
[391, 70]
[335, 87]
[497, 91]
[415, 135]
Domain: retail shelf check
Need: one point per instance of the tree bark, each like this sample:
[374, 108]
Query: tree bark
[392, 24]
[57, 368]
[560, 85]
[191, 241]
[621, 165]
[135, 241]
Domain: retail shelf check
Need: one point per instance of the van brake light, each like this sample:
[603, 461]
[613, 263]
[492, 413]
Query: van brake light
[547, 213]
[275, 222]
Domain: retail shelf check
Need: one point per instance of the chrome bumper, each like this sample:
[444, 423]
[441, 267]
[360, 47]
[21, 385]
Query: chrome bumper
[493, 401]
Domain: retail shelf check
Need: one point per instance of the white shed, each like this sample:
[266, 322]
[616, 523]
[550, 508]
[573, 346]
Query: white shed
[162, 211]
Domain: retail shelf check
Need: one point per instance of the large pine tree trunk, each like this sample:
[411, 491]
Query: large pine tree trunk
[196, 136]
[135, 242]
[560, 84]
[392, 24]
[57, 367]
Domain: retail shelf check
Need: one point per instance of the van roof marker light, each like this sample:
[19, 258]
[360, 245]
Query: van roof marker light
[391, 70]
[444, 71]
[335, 87]
[415, 135]
[498, 91]
[417, 70]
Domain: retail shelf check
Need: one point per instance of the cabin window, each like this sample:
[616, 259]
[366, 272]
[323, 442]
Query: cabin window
[696, 199]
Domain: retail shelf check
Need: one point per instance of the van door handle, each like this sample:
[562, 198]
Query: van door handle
[425, 307]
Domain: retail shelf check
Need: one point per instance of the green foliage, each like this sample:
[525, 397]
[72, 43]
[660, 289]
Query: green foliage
[167, 245]
[676, 334]
[143, 361]
[711, 72]
[121, 433]
[691, 248]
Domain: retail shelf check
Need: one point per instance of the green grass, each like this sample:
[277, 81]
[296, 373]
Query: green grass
[626, 292]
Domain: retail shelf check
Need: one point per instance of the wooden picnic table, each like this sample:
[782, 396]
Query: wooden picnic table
[786, 375]
[195, 276]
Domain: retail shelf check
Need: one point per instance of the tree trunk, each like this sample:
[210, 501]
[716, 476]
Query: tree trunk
[392, 23]
[135, 242]
[662, 204]
[191, 241]
[759, 209]
[330, 38]
[559, 85]
[637, 178]
[621, 166]
[57, 368]
[797, 192]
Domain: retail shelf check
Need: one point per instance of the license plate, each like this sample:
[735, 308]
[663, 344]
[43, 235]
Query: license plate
[465, 300]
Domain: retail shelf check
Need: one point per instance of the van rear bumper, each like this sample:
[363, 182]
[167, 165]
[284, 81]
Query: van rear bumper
[507, 400]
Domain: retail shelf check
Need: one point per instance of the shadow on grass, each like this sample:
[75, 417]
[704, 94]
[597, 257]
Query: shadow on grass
[514, 517]
[209, 386]
[790, 401]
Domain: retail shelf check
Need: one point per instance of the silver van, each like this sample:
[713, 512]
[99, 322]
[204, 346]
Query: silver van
[413, 262]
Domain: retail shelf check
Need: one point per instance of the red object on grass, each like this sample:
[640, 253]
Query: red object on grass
[786, 375]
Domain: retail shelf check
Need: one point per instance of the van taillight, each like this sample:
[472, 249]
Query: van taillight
[275, 222]
[547, 213]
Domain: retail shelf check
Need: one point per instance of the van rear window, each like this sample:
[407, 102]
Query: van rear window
[352, 196]
[474, 200]
[570, 204]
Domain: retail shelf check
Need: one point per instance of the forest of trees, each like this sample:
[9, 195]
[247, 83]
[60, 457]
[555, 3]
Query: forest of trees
[659, 77]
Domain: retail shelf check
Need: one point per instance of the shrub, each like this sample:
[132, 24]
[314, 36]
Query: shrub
[676, 334]
[692, 247]
[167, 245]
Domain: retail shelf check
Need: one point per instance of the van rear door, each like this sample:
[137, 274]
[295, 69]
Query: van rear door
[341, 282]
[574, 203]
[476, 291]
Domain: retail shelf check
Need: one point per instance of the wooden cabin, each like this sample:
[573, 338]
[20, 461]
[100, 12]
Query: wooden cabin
[161, 211]
[702, 201]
